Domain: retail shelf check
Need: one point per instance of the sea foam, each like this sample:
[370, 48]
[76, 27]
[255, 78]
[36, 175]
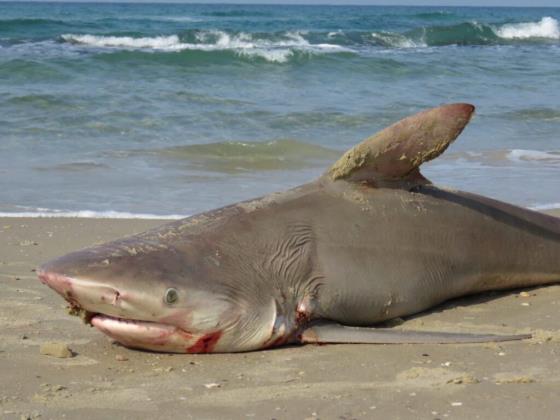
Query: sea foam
[90, 214]
[157, 43]
[396, 40]
[517, 155]
[242, 43]
[547, 27]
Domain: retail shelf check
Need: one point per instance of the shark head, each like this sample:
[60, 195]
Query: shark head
[144, 295]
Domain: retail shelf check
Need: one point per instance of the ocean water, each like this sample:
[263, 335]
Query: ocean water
[169, 110]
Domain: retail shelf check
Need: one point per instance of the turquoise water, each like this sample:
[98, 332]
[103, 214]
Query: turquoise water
[176, 109]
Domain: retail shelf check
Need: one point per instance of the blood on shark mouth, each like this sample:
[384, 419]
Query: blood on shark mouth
[154, 335]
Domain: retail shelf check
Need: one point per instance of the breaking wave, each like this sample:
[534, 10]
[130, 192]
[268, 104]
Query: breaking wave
[278, 48]
[547, 27]
[472, 33]
[169, 43]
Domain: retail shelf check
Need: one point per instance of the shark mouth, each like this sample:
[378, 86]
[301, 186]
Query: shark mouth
[138, 334]
[147, 335]
[143, 334]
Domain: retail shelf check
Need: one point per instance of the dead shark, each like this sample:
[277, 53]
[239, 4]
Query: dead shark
[370, 240]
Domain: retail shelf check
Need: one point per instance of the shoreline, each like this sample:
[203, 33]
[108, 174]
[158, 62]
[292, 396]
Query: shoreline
[117, 216]
[103, 379]
[87, 214]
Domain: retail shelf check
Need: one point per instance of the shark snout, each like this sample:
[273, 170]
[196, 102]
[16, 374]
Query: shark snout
[89, 295]
[58, 282]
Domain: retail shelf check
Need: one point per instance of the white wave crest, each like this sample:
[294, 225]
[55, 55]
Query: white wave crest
[242, 44]
[156, 43]
[397, 40]
[518, 155]
[275, 51]
[334, 34]
[547, 27]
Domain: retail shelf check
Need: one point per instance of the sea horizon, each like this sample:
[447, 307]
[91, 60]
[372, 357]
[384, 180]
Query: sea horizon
[279, 4]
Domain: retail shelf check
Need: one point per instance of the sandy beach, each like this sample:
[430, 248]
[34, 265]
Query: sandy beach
[105, 380]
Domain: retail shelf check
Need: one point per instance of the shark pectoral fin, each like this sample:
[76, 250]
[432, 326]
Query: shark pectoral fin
[395, 153]
[336, 333]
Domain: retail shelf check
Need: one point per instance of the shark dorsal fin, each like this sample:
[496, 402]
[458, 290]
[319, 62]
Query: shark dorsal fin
[394, 154]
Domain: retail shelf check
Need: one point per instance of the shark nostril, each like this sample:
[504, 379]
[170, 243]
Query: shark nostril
[58, 282]
[44, 276]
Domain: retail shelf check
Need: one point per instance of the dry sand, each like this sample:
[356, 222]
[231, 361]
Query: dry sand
[104, 380]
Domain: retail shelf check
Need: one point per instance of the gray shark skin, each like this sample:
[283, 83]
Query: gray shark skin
[370, 240]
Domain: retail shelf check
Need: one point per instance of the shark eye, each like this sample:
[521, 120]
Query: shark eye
[171, 296]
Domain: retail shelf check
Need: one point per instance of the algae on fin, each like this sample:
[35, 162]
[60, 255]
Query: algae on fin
[396, 152]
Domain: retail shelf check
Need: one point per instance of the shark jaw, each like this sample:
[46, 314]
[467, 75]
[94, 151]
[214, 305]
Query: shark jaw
[89, 299]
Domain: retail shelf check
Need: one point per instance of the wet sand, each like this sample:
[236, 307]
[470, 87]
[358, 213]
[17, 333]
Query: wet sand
[104, 380]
